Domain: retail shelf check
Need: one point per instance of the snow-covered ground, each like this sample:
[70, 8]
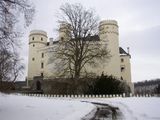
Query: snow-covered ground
[13, 107]
[17, 107]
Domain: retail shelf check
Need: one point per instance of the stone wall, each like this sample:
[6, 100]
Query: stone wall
[62, 85]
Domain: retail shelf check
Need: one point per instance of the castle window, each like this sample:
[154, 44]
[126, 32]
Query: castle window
[121, 78]
[42, 55]
[42, 74]
[33, 59]
[42, 65]
[122, 60]
[33, 45]
[62, 38]
[122, 68]
[32, 38]
[41, 39]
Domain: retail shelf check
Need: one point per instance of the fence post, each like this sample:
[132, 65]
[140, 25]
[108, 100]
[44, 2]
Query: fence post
[124, 95]
[130, 94]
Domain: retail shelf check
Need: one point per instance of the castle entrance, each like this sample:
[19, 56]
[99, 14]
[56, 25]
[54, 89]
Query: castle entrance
[38, 85]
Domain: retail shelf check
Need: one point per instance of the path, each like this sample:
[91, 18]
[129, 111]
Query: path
[104, 112]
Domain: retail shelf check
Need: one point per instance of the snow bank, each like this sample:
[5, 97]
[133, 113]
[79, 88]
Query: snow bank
[13, 107]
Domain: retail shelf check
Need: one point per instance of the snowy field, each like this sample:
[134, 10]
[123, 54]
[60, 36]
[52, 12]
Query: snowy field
[14, 107]
[17, 107]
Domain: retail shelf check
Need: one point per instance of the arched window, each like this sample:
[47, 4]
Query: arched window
[41, 38]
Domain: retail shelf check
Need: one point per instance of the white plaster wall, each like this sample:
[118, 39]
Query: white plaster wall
[108, 33]
[34, 66]
[64, 31]
[126, 73]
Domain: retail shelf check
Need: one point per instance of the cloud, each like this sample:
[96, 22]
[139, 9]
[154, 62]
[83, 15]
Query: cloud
[145, 51]
[144, 42]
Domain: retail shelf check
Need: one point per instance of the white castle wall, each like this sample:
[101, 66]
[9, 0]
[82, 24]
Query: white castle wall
[64, 31]
[37, 40]
[108, 33]
[125, 67]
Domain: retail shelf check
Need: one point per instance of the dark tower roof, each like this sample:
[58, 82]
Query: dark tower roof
[123, 52]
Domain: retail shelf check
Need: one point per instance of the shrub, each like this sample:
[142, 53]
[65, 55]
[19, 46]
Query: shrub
[108, 85]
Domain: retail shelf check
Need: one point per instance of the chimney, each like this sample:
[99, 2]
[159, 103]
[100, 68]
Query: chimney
[50, 41]
[128, 50]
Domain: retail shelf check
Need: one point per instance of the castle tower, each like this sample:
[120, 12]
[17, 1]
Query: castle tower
[37, 40]
[108, 33]
[64, 31]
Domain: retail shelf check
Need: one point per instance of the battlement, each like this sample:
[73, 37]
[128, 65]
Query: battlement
[108, 22]
[64, 26]
[38, 32]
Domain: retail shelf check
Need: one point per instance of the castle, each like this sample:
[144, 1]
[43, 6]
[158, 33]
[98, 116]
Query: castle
[118, 65]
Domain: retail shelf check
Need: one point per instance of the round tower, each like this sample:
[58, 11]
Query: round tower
[64, 31]
[108, 33]
[37, 40]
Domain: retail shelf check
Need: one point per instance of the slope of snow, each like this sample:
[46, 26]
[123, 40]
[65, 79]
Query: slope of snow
[13, 107]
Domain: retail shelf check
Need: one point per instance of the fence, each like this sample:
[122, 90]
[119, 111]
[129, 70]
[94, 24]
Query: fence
[92, 96]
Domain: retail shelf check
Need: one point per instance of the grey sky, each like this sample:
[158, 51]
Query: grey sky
[139, 28]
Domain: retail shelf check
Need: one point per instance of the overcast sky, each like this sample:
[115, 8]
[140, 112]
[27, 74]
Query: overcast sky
[139, 28]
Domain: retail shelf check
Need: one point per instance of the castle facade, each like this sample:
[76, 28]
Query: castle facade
[118, 65]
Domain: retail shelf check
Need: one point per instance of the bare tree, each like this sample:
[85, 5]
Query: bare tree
[13, 13]
[10, 66]
[81, 45]
[10, 13]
